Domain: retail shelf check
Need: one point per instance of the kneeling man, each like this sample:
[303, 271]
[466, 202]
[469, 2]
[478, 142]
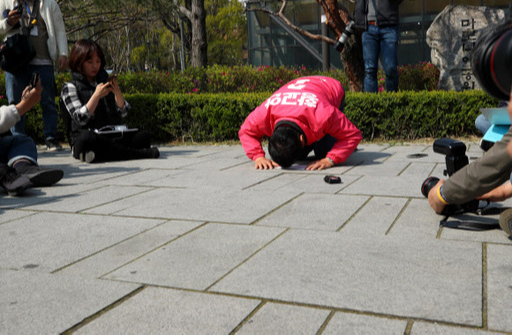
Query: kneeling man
[303, 115]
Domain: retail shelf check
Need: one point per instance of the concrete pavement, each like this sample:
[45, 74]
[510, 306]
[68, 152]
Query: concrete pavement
[198, 242]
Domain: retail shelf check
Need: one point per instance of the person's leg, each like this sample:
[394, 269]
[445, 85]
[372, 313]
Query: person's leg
[371, 50]
[22, 156]
[48, 105]
[389, 47]
[14, 86]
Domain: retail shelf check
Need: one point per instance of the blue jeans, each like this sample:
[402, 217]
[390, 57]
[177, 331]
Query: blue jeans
[16, 83]
[377, 40]
[15, 147]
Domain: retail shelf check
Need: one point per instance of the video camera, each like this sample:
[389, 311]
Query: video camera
[455, 152]
[490, 60]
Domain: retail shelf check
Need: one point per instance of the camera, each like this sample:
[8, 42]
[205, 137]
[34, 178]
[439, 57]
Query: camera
[455, 152]
[344, 37]
[18, 8]
[490, 60]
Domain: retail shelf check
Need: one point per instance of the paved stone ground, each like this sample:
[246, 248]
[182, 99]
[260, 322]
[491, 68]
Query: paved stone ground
[200, 242]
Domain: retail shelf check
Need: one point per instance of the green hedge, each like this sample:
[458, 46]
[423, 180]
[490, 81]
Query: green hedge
[217, 117]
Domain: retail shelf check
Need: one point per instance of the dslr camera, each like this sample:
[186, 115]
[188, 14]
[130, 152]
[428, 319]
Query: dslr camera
[490, 59]
[455, 152]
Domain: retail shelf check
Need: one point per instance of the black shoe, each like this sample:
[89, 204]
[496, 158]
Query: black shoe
[155, 153]
[88, 156]
[53, 145]
[12, 182]
[40, 176]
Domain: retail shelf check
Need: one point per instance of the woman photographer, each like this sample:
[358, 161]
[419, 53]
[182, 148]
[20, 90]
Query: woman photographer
[94, 101]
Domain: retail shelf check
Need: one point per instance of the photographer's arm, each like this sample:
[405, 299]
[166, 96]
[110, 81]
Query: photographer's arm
[481, 176]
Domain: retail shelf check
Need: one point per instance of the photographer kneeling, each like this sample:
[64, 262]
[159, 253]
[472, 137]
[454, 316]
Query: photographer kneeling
[484, 178]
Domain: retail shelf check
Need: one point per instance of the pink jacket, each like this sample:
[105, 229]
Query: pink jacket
[313, 104]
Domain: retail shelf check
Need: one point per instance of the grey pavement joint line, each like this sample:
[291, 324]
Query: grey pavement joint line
[233, 166]
[150, 251]
[485, 323]
[116, 200]
[326, 322]
[244, 321]
[403, 170]
[109, 247]
[408, 327]
[276, 209]
[31, 213]
[355, 213]
[96, 315]
[347, 185]
[248, 258]
[398, 217]
[262, 181]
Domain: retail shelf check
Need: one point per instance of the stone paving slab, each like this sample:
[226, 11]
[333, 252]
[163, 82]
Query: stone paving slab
[49, 241]
[203, 205]
[199, 241]
[126, 251]
[199, 259]
[41, 303]
[499, 287]
[315, 211]
[285, 319]
[165, 311]
[373, 275]
[347, 323]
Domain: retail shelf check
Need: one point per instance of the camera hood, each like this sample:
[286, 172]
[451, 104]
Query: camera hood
[491, 60]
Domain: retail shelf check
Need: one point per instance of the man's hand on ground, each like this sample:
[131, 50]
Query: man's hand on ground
[321, 164]
[262, 163]
[433, 198]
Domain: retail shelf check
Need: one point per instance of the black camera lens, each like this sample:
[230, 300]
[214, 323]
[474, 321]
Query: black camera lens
[491, 60]
[427, 185]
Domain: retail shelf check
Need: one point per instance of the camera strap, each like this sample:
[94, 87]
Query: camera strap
[25, 28]
[474, 225]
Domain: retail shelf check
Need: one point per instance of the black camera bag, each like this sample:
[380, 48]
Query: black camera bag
[17, 51]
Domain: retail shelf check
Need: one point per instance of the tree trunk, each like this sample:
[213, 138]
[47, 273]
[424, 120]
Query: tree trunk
[199, 57]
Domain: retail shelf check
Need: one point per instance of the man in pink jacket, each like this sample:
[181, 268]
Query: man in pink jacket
[302, 116]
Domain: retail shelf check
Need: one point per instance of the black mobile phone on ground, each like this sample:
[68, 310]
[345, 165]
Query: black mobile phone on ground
[332, 179]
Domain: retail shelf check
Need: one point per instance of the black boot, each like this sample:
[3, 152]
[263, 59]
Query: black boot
[12, 182]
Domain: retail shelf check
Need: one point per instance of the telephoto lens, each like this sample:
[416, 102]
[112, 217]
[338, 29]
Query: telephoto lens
[491, 60]
[427, 185]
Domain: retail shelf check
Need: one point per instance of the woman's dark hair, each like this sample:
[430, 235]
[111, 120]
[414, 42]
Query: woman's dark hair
[284, 146]
[83, 50]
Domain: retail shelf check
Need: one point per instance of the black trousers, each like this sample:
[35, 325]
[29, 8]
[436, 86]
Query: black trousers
[133, 145]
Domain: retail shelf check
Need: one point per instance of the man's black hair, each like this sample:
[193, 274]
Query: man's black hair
[284, 146]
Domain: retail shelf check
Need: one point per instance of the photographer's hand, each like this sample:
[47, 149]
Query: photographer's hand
[29, 98]
[500, 193]
[262, 163]
[13, 18]
[434, 199]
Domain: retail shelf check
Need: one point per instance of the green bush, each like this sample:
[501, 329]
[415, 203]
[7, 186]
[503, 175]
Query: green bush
[240, 79]
[217, 117]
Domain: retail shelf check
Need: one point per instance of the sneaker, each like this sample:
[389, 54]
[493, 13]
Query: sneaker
[506, 221]
[12, 182]
[88, 156]
[53, 145]
[40, 176]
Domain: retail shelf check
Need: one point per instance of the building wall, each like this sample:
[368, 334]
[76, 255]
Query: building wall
[270, 44]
